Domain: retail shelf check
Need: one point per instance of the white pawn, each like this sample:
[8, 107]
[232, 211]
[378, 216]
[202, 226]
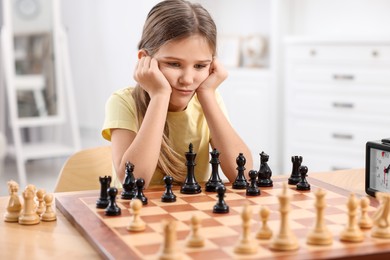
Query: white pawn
[136, 224]
[246, 245]
[49, 214]
[169, 249]
[41, 205]
[14, 206]
[195, 239]
[265, 232]
[352, 232]
[28, 216]
[365, 221]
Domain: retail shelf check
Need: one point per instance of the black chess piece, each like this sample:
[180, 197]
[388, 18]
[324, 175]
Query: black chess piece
[221, 206]
[295, 177]
[253, 189]
[264, 172]
[240, 181]
[303, 184]
[103, 201]
[112, 208]
[190, 186]
[139, 194]
[214, 180]
[168, 195]
[129, 183]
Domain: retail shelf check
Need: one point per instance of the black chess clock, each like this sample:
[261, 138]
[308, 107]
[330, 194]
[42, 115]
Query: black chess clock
[378, 166]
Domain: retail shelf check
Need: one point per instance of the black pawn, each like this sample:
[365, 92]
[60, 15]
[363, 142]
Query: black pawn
[252, 189]
[139, 194]
[103, 201]
[265, 172]
[240, 181]
[112, 208]
[221, 206]
[129, 183]
[168, 195]
[215, 180]
[303, 184]
[190, 186]
[295, 176]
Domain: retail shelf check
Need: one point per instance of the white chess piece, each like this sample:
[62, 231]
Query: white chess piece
[49, 214]
[195, 239]
[136, 224]
[14, 206]
[28, 215]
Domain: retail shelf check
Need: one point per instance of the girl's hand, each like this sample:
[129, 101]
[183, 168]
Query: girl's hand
[150, 78]
[217, 75]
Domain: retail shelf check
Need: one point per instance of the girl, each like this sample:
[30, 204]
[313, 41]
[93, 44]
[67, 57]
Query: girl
[175, 102]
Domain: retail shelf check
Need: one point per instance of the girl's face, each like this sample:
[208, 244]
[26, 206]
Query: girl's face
[186, 64]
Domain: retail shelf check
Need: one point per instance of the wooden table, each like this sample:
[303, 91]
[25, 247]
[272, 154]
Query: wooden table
[59, 239]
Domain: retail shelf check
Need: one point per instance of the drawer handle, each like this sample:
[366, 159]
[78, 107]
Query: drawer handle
[343, 77]
[342, 136]
[343, 105]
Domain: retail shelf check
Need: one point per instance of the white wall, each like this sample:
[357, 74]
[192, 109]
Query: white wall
[103, 37]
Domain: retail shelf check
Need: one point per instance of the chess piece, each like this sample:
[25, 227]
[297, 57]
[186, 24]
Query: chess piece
[252, 189]
[320, 235]
[129, 183]
[285, 240]
[169, 250]
[49, 214]
[295, 176]
[168, 195]
[221, 206]
[365, 221]
[195, 239]
[381, 218]
[352, 232]
[136, 224]
[246, 245]
[265, 232]
[214, 180]
[112, 208]
[303, 184]
[190, 186]
[14, 206]
[103, 202]
[240, 181]
[264, 172]
[139, 194]
[28, 216]
[41, 206]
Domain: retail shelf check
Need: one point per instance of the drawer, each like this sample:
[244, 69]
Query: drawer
[339, 105]
[339, 135]
[319, 52]
[341, 75]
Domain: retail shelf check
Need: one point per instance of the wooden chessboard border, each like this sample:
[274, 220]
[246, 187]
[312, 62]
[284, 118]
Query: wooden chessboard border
[110, 246]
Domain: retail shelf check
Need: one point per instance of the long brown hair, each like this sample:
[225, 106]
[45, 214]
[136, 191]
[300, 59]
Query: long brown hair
[167, 21]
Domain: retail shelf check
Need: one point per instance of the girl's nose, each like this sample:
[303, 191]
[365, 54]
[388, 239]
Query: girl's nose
[186, 78]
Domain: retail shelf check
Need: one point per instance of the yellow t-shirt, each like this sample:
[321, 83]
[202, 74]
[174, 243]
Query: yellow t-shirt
[185, 127]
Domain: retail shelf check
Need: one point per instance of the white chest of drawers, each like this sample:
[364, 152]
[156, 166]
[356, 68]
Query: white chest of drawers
[337, 97]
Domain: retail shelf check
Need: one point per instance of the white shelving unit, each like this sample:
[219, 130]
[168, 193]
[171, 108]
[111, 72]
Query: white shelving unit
[250, 92]
[56, 134]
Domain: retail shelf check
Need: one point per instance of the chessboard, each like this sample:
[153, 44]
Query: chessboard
[110, 237]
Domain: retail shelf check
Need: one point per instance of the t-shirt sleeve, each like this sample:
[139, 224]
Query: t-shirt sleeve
[120, 112]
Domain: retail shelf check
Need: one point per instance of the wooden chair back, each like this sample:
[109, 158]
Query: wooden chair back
[82, 170]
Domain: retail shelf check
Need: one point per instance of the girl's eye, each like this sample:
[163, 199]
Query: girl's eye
[174, 64]
[200, 66]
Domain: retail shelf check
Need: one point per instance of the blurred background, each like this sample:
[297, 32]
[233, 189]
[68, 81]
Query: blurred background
[306, 77]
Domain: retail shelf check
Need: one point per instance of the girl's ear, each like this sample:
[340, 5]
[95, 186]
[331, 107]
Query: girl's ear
[142, 53]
